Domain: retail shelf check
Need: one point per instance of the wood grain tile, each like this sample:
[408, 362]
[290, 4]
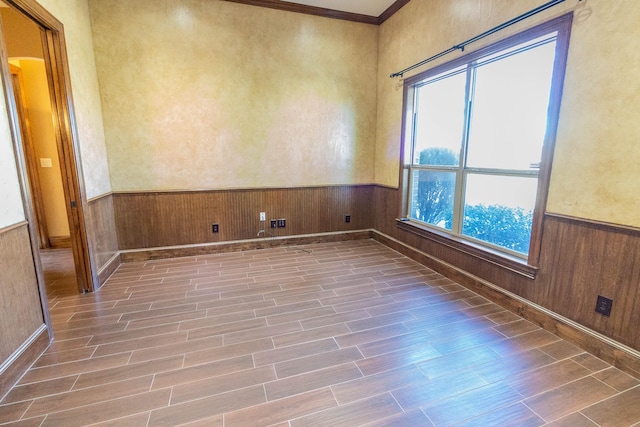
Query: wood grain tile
[110, 409]
[516, 414]
[294, 352]
[353, 414]
[471, 404]
[313, 380]
[425, 393]
[569, 398]
[547, 377]
[622, 409]
[573, 420]
[617, 379]
[121, 373]
[336, 333]
[207, 407]
[69, 400]
[82, 366]
[282, 409]
[222, 384]
[317, 361]
[198, 372]
[407, 419]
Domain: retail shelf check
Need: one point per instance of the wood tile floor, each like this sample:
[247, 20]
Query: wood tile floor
[335, 334]
[59, 273]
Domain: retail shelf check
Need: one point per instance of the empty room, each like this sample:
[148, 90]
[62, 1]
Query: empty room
[319, 213]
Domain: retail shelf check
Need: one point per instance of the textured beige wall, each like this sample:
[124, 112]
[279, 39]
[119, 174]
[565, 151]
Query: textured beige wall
[74, 14]
[595, 168]
[211, 94]
[38, 106]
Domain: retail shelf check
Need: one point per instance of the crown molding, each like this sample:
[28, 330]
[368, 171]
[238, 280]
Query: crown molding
[327, 13]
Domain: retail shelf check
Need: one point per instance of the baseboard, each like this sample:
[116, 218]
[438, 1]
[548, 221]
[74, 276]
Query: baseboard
[108, 269]
[619, 355]
[57, 242]
[21, 360]
[134, 255]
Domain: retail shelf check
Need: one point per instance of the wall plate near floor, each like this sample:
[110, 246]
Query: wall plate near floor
[603, 305]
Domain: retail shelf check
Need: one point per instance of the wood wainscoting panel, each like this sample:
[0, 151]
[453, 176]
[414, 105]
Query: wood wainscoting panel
[103, 236]
[160, 219]
[20, 308]
[579, 260]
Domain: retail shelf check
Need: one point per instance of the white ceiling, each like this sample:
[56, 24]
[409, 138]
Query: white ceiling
[363, 7]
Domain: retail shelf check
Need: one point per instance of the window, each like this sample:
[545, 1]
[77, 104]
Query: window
[478, 142]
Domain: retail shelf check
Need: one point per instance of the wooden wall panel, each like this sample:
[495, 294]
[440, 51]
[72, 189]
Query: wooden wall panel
[102, 235]
[157, 219]
[579, 261]
[20, 309]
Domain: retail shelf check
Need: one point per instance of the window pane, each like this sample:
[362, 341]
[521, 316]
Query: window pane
[499, 210]
[510, 102]
[440, 120]
[432, 197]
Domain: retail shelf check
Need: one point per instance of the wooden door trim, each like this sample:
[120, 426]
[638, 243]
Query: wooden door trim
[63, 113]
[30, 157]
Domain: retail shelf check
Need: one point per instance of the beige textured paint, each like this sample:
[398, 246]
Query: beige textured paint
[595, 169]
[74, 14]
[38, 106]
[212, 94]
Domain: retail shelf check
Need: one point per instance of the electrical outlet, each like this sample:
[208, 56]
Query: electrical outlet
[603, 305]
[347, 218]
[282, 223]
[274, 223]
[215, 228]
[263, 216]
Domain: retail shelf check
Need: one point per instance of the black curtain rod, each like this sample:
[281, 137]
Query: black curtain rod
[462, 45]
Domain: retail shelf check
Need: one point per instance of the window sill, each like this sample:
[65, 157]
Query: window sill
[505, 261]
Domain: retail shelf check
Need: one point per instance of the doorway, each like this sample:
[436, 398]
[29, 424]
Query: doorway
[48, 159]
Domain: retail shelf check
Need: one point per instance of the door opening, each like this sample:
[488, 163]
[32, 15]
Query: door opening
[55, 195]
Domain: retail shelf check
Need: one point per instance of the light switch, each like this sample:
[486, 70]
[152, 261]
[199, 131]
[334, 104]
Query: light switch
[45, 163]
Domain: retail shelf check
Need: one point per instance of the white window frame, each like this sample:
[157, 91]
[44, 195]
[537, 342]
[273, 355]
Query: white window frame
[512, 260]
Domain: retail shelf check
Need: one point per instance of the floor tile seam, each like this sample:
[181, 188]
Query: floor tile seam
[21, 418]
[617, 393]
[97, 403]
[546, 421]
[299, 312]
[223, 334]
[295, 309]
[135, 330]
[516, 335]
[593, 421]
[2, 402]
[277, 379]
[77, 308]
[209, 396]
[314, 370]
[302, 357]
[572, 382]
[158, 310]
[300, 329]
[91, 389]
[593, 371]
[66, 374]
[437, 403]
[218, 324]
